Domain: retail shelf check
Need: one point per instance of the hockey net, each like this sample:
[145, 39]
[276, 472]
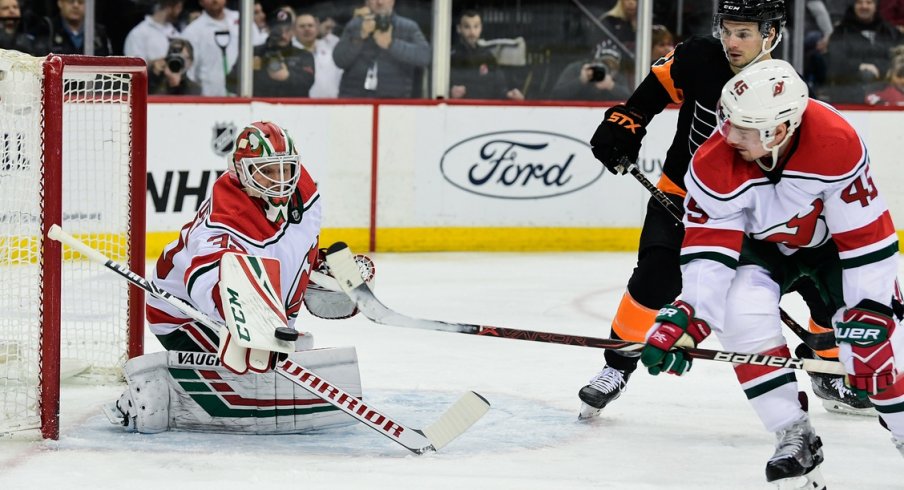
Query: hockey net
[72, 148]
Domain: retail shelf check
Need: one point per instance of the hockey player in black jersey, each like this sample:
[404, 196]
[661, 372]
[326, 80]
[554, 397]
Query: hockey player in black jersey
[744, 32]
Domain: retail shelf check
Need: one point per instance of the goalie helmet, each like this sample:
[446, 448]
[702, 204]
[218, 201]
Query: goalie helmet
[767, 14]
[266, 165]
[762, 97]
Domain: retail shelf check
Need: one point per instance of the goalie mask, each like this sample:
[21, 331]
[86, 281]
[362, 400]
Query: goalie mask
[768, 15]
[266, 165]
[762, 97]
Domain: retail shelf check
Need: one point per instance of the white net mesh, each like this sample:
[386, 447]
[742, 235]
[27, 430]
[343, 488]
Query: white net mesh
[96, 204]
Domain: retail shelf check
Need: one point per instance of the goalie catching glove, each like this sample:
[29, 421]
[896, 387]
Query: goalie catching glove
[327, 300]
[616, 142]
[864, 341]
[675, 327]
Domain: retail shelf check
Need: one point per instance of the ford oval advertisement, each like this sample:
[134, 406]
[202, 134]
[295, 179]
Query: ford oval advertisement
[520, 165]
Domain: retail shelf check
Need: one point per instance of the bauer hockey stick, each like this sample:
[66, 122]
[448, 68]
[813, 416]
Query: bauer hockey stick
[815, 341]
[451, 424]
[347, 275]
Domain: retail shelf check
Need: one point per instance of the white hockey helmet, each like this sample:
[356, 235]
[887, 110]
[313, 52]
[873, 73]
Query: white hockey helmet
[266, 165]
[763, 96]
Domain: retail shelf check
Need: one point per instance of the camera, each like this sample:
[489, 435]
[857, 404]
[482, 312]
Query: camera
[599, 72]
[174, 59]
[272, 55]
[383, 22]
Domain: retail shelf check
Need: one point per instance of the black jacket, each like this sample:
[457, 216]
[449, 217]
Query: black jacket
[301, 71]
[18, 41]
[477, 70]
[52, 37]
[852, 43]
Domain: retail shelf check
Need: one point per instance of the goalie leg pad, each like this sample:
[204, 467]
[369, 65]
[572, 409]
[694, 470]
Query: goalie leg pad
[192, 391]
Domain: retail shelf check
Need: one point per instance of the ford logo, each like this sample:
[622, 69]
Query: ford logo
[520, 165]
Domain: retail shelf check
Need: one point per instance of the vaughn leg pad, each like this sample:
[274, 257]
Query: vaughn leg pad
[192, 391]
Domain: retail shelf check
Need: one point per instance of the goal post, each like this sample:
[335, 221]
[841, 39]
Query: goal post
[72, 152]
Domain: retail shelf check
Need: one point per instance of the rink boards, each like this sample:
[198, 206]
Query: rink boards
[425, 176]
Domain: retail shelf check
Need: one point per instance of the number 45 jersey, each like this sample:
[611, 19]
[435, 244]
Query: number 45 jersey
[821, 191]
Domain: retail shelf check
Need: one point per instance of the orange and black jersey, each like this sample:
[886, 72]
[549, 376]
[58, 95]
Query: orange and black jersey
[691, 75]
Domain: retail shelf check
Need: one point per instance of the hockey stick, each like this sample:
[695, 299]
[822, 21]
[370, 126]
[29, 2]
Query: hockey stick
[452, 423]
[815, 341]
[344, 269]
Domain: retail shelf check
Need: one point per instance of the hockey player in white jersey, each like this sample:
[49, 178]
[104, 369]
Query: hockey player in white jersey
[784, 190]
[266, 207]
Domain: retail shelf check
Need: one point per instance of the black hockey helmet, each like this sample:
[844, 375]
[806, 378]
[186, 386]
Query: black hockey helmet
[767, 13]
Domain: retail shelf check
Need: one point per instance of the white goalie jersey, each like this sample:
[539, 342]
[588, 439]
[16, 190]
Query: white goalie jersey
[230, 221]
[825, 192]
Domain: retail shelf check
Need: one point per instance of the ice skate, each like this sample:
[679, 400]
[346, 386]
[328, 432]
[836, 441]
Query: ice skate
[832, 392]
[798, 454]
[838, 398]
[603, 389]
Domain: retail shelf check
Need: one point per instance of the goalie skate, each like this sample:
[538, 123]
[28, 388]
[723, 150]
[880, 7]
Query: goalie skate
[798, 454]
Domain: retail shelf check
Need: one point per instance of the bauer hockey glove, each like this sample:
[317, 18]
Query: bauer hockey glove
[675, 327]
[864, 334]
[616, 141]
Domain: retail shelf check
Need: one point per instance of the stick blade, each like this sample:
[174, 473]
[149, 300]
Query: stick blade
[457, 419]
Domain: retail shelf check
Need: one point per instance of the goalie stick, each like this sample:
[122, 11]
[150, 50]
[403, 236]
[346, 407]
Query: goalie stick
[815, 341]
[344, 269]
[451, 424]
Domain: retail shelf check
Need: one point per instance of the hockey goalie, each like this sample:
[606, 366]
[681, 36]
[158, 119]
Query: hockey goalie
[246, 262]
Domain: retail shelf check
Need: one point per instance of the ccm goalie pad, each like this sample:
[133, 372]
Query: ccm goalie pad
[325, 299]
[193, 391]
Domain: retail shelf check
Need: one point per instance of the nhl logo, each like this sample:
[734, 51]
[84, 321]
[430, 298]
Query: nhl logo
[295, 216]
[223, 140]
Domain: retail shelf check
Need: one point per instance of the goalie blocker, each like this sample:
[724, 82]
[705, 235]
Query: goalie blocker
[193, 391]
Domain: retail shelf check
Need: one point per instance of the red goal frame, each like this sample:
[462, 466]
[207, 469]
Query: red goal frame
[52, 167]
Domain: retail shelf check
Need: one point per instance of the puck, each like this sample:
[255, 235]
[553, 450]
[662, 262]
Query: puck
[285, 333]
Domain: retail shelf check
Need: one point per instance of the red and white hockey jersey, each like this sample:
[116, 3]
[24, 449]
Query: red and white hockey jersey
[229, 220]
[825, 192]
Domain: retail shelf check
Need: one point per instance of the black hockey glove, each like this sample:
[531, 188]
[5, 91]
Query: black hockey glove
[616, 142]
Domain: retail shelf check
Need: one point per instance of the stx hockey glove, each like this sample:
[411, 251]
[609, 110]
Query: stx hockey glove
[618, 138]
[675, 327]
[864, 334]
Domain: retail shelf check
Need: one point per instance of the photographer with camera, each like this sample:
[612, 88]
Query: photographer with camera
[281, 69]
[380, 52]
[166, 76]
[474, 73]
[599, 79]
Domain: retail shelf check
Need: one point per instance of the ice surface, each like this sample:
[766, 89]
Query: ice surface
[694, 432]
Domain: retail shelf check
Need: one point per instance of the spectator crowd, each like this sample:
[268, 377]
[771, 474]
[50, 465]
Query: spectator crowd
[853, 49]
